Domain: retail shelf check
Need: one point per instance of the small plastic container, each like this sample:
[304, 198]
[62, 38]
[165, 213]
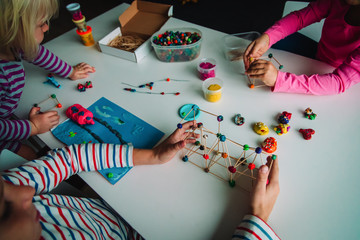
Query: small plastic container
[75, 11]
[81, 24]
[212, 88]
[236, 44]
[86, 37]
[206, 68]
[177, 53]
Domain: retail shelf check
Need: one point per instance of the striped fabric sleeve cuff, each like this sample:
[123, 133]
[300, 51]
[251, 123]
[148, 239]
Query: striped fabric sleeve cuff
[254, 228]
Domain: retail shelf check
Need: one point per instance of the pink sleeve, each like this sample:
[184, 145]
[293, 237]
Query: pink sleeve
[342, 78]
[297, 20]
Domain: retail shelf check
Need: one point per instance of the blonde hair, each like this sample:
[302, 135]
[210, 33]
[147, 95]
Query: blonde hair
[18, 20]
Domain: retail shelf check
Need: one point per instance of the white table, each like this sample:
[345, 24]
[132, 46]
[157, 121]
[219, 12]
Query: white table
[320, 191]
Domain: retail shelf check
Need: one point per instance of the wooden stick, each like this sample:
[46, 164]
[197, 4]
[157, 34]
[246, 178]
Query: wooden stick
[208, 112]
[192, 108]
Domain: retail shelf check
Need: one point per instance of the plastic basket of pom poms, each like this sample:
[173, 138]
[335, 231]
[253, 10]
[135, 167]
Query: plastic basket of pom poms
[177, 45]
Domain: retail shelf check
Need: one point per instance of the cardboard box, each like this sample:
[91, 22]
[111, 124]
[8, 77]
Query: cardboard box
[141, 19]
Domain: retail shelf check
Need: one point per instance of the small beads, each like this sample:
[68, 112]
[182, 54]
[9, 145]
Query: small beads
[222, 138]
[232, 183]
[258, 150]
[179, 125]
[220, 118]
[251, 166]
[246, 147]
[232, 169]
[110, 175]
[206, 157]
[202, 147]
[185, 158]
[224, 155]
[197, 143]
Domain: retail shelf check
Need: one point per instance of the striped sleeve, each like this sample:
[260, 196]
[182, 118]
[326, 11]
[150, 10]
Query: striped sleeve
[254, 228]
[14, 130]
[52, 63]
[46, 173]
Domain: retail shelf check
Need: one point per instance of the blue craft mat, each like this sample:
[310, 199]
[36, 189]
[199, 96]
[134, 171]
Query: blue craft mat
[132, 129]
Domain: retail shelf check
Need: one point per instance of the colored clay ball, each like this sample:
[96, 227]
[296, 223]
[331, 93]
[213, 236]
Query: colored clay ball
[273, 157]
[307, 133]
[251, 86]
[185, 158]
[224, 155]
[309, 114]
[269, 145]
[197, 143]
[179, 126]
[232, 183]
[206, 170]
[251, 166]
[202, 147]
[239, 120]
[232, 169]
[246, 147]
[258, 150]
[270, 55]
[199, 125]
[205, 156]
[220, 118]
[282, 129]
[80, 114]
[205, 136]
[261, 129]
[242, 161]
[53, 96]
[284, 117]
[110, 175]
[59, 105]
[281, 67]
[222, 138]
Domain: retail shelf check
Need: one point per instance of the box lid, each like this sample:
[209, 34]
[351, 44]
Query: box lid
[144, 18]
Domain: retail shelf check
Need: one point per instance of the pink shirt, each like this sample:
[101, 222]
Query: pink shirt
[339, 46]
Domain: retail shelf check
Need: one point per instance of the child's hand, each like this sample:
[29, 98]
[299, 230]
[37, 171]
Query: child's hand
[166, 150]
[263, 70]
[256, 49]
[42, 122]
[81, 70]
[264, 196]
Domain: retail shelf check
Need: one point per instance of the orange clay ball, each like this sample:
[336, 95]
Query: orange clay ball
[251, 86]
[224, 155]
[59, 105]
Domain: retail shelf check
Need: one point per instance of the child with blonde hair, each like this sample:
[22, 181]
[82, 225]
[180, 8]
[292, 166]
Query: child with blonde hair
[22, 27]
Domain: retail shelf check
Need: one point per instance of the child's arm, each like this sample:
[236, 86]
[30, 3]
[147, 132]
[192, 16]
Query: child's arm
[263, 199]
[53, 64]
[47, 172]
[297, 20]
[291, 23]
[342, 78]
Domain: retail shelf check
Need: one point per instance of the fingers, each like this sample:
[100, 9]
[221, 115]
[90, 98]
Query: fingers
[260, 185]
[34, 111]
[84, 67]
[274, 173]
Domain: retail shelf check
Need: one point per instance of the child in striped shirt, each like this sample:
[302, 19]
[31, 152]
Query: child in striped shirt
[22, 27]
[26, 204]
